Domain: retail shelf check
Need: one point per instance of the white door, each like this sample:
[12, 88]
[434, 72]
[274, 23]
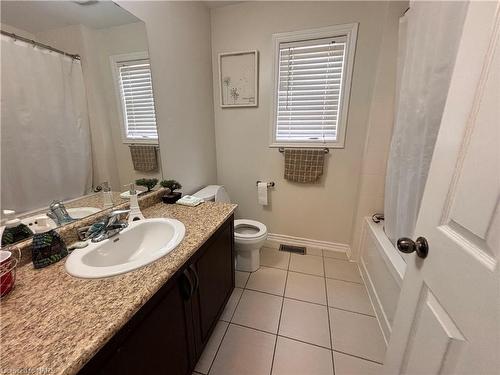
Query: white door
[448, 316]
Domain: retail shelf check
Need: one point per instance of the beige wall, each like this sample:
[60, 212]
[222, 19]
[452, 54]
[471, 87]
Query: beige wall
[324, 211]
[115, 41]
[17, 31]
[179, 47]
[371, 188]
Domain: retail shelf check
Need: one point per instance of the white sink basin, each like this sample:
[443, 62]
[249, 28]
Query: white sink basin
[81, 212]
[141, 243]
[42, 223]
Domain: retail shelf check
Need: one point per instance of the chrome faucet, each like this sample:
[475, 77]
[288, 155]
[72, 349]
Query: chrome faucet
[58, 213]
[104, 229]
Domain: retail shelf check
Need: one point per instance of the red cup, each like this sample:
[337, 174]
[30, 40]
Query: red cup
[7, 272]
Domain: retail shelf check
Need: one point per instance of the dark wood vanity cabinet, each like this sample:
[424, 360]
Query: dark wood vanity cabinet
[168, 334]
[215, 273]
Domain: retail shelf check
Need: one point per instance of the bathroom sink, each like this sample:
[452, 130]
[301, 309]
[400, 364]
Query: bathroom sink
[141, 243]
[81, 212]
[41, 222]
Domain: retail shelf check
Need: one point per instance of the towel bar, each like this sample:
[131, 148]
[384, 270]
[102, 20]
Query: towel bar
[326, 150]
[269, 184]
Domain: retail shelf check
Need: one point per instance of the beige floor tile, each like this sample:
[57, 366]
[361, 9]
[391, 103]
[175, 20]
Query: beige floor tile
[210, 351]
[241, 278]
[306, 287]
[335, 254]
[305, 321]
[314, 251]
[342, 270]
[296, 358]
[357, 334]
[348, 296]
[310, 264]
[228, 312]
[259, 310]
[244, 351]
[274, 258]
[349, 365]
[270, 280]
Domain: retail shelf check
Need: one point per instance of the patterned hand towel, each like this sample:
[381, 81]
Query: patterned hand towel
[304, 165]
[144, 158]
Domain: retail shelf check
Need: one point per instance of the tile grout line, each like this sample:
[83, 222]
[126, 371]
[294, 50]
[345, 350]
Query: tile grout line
[284, 296]
[305, 342]
[328, 314]
[218, 347]
[281, 312]
[359, 357]
[311, 274]
[227, 329]
[303, 300]
[293, 339]
[351, 311]
[277, 335]
[297, 340]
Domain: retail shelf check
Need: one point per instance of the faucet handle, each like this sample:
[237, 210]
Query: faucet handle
[118, 212]
[56, 204]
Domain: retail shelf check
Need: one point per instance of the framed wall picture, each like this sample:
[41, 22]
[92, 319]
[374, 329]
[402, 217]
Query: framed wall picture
[238, 79]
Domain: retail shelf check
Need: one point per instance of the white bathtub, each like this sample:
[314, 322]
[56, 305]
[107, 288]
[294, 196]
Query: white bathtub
[383, 269]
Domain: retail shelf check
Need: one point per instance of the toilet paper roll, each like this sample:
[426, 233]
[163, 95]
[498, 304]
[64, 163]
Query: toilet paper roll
[262, 193]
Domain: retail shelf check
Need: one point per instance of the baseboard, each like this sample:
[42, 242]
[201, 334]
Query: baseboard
[274, 240]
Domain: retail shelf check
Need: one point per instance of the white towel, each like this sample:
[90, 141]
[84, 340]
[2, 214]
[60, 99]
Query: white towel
[262, 193]
[189, 200]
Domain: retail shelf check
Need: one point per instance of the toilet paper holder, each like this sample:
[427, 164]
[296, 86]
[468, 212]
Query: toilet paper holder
[269, 184]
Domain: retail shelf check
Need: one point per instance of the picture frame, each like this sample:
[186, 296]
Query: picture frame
[238, 79]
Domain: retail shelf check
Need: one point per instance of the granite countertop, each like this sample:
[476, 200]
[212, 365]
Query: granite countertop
[54, 323]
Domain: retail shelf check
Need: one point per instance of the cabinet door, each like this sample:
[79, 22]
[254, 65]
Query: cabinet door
[162, 342]
[215, 271]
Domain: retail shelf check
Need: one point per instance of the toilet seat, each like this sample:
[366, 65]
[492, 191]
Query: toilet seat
[259, 230]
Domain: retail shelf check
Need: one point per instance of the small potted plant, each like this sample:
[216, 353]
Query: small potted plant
[172, 196]
[148, 183]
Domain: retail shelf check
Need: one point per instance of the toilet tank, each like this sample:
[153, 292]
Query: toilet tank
[215, 193]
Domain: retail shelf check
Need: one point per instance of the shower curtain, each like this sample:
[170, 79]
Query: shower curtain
[429, 36]
[45, 136]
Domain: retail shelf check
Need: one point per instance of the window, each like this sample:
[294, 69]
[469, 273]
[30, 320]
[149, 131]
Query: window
[132, 75]
[312, 81]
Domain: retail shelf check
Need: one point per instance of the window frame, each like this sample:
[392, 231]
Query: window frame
[114, 61]
[350, 31]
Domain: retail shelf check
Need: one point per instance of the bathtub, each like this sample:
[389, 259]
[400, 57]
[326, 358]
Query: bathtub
[382, 268]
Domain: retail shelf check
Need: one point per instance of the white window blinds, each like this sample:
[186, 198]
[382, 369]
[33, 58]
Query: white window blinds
[309, 90]
[136, 93]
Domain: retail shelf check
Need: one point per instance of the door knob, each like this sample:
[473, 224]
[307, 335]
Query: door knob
[420, 246]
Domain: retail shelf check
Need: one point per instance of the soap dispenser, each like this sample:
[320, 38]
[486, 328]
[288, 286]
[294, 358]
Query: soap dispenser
[135, 212]
[14, 229]
[107, 195]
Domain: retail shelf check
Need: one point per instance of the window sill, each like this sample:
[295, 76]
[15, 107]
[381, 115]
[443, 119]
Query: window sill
[306, 145]
[140, 142]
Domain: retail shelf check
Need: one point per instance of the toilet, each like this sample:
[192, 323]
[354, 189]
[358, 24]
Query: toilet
[249, 235]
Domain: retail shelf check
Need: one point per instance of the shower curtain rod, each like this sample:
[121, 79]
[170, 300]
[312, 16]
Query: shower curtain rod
[38, 44]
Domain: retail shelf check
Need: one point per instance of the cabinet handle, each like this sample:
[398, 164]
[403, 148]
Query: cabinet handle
[196, 278]
[191, 286]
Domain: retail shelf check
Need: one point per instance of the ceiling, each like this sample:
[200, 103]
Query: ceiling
[38, 16]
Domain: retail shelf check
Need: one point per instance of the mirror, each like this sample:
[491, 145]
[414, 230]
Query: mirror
[77, 108]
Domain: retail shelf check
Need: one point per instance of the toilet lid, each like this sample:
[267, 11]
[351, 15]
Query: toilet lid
[249, 229]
